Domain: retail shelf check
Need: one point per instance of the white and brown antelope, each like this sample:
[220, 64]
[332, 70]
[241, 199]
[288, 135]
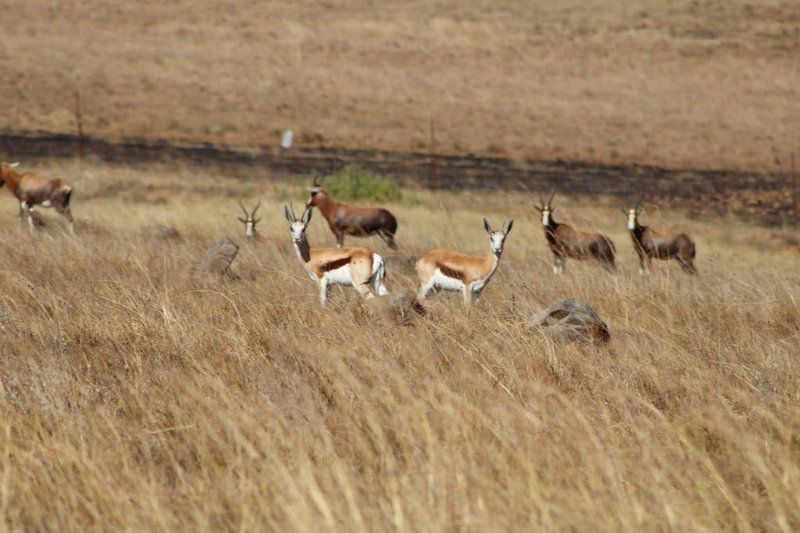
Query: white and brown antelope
[650, 243]
[353, 266]
[250, 221]
[565, 241]
[31, 189]
[345, 219]
[454, 271]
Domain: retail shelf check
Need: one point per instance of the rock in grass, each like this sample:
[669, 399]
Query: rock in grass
[219, 257]
[571, 320]
[160, 232]
[399, 307]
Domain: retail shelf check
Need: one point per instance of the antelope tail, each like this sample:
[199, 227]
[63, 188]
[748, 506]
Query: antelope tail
[377, 278]
[67, 195]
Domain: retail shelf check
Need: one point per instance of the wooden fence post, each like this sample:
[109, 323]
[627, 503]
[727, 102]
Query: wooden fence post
[79, 123]
[794, 191]
[433, 178]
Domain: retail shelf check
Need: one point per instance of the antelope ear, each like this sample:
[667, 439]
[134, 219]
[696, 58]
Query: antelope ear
[256, 221]
[508, 226]
[623, 210]
[307, 215]
[487, 227]
[537, 208]
[288, 214]
[243, 221]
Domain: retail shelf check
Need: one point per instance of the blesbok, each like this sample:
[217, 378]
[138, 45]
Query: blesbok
[353, 266]
[454, 271]
[650, 243]
[250, 221]
[565, 241]
[356, 220]
[31, 190]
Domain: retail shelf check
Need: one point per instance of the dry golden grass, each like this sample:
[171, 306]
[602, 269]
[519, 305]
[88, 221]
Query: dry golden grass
[711, 83]
[137, 394]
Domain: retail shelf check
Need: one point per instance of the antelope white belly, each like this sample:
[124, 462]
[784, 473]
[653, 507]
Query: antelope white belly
[46, 203]
[339, 276]
[446, 282]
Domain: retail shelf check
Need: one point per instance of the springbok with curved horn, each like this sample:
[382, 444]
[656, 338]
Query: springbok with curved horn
[250, 221]
[31, 190]
[565, 241]
[353, 266]
[650, 243]
[455, 271]
[345, 219]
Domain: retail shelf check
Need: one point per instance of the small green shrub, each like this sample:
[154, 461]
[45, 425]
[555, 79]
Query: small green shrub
[357, 183]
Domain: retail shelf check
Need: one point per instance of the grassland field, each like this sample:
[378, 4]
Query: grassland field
[138, 393]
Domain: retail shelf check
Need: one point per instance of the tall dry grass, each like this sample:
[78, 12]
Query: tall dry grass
[138, 394]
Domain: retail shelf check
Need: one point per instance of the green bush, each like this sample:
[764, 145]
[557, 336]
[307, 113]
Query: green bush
[357, 183]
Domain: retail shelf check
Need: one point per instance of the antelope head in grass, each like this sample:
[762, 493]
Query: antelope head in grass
[249, 220]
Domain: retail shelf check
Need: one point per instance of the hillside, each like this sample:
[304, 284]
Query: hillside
[683, 83]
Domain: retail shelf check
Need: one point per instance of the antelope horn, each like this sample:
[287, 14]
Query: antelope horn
[541, 200]
[256, 208]
[244, 209]
[291, 210]
[551, 197]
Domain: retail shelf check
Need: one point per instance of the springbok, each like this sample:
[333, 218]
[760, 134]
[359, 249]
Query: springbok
[346, 219]
[650, 243]
[250, 221]
[565, 241]
[353, 266]
[453, 271]
[31, 189]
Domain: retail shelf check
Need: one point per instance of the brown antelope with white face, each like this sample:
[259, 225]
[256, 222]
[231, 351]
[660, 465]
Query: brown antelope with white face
[565, 241]
[31, 190]
[345, 219]
[250, 221]
[650, 244]
[454, 271]
[357, 267]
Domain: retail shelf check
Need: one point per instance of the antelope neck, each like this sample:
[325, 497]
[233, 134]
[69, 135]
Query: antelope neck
[326, 205]
[11, 179]
[493, 259]
[303, 249]
[638, 229]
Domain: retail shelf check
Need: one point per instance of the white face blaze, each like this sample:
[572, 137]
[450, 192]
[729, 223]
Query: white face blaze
[249, 228]
[631, 218]
[546, 216]
[498, 239]
[298, 230]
